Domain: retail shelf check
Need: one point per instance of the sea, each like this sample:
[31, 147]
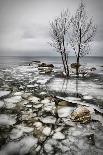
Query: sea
[21, 60]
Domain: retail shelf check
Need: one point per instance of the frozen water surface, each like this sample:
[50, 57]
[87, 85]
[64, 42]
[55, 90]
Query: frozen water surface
[32, 121]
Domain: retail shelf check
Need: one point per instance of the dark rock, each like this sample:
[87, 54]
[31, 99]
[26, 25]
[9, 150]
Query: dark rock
[92, 69]
[81, 114]
[75, 65]
[36, 61]
[46, 65]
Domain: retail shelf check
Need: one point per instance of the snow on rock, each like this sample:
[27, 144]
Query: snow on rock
[21, 147]
[34, 99]
[49, 120]
[4, 93]
[47, 131]
[6, 120]
[64, 111]
[58, 135]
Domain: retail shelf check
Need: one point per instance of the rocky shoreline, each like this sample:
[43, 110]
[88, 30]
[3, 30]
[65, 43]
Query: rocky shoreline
[35, 121]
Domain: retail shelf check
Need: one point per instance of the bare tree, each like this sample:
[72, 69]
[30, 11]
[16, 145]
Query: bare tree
[59, 35]
[83, 31]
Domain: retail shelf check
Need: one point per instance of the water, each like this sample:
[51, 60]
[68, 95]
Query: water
[15, 60]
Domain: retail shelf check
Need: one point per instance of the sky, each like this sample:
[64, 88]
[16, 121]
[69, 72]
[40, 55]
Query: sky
[24, 25]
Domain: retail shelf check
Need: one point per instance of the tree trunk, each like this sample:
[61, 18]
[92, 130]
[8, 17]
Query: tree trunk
[66, 62]
[63, 62]
[77, 67]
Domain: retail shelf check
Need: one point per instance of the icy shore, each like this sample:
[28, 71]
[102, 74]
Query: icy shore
[43, 114]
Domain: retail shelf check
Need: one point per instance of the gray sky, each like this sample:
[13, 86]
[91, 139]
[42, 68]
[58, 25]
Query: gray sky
[24, 25]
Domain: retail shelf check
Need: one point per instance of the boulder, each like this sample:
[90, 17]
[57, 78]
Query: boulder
[93, 69]
[81, 114]
[74, 65]
[46, 65]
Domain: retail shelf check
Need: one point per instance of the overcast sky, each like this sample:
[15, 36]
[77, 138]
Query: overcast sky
[24, 25]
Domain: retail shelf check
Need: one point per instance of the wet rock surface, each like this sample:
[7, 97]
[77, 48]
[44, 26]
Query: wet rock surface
[37, 120]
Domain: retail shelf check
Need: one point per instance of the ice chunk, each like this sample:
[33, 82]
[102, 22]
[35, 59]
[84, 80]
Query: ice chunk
[64, 111]
[14, 99]
[34, 99]
[4, 93]
[6, 120]
[58, 135]
[49, 120]
[1, 104]
[21, 147]
[47, 131]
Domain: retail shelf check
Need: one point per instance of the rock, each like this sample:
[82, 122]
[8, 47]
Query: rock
[49, 120]
[36, 61]
[74, 65]
[47, 131]
[45, 68]
[64, 111]
[93, 69]
[4, 93]
[46, 65]
[63, 103]
[81, 114]
[58, 135]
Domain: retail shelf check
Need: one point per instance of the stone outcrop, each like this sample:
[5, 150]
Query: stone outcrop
[81, 114]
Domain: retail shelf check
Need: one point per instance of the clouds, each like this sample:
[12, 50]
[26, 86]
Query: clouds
[24, 25]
